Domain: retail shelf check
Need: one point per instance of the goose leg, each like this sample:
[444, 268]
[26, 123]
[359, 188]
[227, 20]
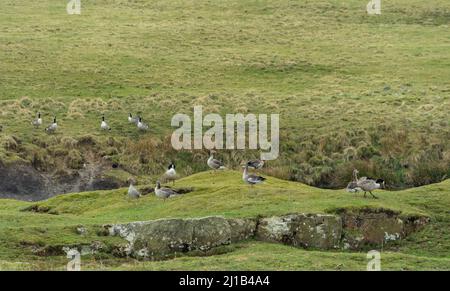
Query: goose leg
[365, 194]
[375, 197]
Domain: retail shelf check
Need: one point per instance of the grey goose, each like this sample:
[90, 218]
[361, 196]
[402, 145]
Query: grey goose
[251, 178]
[52, 127]
[164, 193]
[171, 173]
[104, 125]
[214, 163]
[256, 164]
[37, 122]
[141, 125]
[133, 193]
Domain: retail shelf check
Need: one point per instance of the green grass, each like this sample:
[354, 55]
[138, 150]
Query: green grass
[224, 195]
[352, 90]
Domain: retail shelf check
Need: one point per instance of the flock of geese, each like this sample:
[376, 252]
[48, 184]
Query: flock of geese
[37, 122]
[214, 164]
[363, 184]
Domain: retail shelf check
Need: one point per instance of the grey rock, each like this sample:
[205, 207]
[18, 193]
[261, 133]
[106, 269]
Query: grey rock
[242, 228]
[160, 238]
[302, 230]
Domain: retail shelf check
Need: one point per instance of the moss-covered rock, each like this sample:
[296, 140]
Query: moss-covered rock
[375, 227]
[165, 237]
[302, 230]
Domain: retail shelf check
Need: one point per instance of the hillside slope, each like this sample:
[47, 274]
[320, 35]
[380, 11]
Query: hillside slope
[222, 193]
[351, 90]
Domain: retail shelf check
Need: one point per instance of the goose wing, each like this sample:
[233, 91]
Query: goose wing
[169, 192]
[217, 162]
[133, 192]
[142, 126]
[256, 164]
[255, 179]
[36, 122]
[364, 184]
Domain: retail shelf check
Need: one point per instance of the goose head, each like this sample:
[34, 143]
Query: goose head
[131, 181]
[158, 185]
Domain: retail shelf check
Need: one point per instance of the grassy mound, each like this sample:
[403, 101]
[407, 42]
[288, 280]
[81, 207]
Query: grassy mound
[31, 232]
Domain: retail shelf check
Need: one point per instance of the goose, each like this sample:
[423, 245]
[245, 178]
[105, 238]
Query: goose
[256, 164]
[52, 127]
[369, 185]
[213, 163]
[171, 174]
[38, 121]
[251, 178]
[132, 119]
[104, 125]
[133, 193]
[141, 125]
[164, 192]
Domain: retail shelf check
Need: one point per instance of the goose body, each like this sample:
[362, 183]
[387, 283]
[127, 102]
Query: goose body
[256, 164]
[171, 174]
[369, 185]
[104, 125]
[365, 184]
[132, 119]
[251, 178]
[133, 193]
[214, 164]
[164, 192]
[52, 127]
[141, 125]
[38, 121]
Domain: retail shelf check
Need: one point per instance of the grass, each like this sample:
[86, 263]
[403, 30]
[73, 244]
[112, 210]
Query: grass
[21, 231]
[352, 90]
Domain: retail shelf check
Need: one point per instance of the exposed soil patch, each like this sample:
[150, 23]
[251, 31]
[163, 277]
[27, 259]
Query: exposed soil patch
[24, 182]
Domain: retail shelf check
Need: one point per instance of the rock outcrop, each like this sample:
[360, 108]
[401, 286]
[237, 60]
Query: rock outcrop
[302, 230]
[368, 227]
[348, 230]
[164, 237]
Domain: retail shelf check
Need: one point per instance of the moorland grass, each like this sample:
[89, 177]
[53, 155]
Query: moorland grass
[352, 90]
